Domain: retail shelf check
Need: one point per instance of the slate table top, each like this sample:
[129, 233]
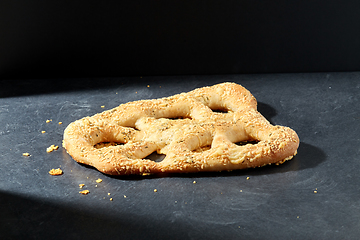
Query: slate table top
[314, 196]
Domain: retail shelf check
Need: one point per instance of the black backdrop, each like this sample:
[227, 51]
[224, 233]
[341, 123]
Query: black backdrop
[54, 39]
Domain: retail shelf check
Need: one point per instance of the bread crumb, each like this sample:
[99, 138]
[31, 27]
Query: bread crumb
[60, 123]
[240, 190]
[108, 194]
[125, 196]
[99, 180]
[155, 190]
[43, 131]
[49, 120]
[148, 85]
[26, 154]
[315, 191]
[194, 182]
[81, 185]
[111, 199]
[56, 172]
[84, 192]
[247, 178]
[102, 106]
[52, 148]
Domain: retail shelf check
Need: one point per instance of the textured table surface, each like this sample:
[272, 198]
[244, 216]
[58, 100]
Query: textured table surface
[314, 196]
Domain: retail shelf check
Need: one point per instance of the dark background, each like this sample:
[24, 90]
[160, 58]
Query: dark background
[55, 39]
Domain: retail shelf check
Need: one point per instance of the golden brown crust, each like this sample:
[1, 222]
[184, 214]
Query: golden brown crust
[188, 128]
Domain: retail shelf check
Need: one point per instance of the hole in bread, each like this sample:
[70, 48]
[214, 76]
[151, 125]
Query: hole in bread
[242, 143]
[202, 149]
[107, 144]
[135, 128]
[220, 110]
[156, 157]
[180, 118]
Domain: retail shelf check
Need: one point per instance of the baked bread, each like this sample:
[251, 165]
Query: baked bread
[213, 128]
